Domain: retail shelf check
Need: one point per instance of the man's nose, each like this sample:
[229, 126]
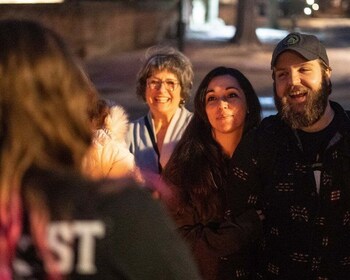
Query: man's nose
[294, 78]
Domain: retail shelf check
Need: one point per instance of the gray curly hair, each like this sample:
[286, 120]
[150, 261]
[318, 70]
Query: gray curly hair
[169, 59]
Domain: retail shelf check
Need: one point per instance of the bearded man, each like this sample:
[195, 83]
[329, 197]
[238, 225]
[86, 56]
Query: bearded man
[297, 165]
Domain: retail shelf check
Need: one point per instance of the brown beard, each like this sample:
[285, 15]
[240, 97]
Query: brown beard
[313, 109]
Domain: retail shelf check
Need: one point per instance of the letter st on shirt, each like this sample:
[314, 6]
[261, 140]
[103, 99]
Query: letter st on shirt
[63, 235]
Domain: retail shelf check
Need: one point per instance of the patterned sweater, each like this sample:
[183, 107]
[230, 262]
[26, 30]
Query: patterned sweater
[307, 224]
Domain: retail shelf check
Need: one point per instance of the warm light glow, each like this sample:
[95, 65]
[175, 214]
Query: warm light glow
[315, 7]
[307, 11]
[30, 1]
[310, 2]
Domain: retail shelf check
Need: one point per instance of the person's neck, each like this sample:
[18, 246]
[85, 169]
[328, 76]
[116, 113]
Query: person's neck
[161, 121]
[323, 122]
[229, 142]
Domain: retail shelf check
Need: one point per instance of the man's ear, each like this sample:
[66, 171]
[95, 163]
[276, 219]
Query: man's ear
[328, 72]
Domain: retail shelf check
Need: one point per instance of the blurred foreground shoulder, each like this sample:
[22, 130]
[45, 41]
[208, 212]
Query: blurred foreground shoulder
[110, 229]
[148, 247]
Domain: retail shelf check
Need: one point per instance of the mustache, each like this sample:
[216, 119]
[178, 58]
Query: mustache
[295, 90]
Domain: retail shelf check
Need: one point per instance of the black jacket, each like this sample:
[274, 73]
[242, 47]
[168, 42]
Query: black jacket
[223, 245]
[105, 230]
[306, 232]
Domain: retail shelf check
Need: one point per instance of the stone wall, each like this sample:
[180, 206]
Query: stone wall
[95, 28]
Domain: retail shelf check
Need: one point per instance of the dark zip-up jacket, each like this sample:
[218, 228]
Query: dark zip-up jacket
[306, 231]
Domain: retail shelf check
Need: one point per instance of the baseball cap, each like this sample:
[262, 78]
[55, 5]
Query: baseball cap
[308, 46]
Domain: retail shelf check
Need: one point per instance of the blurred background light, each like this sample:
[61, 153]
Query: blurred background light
[30, 1]
[315, 7]
[307, 11]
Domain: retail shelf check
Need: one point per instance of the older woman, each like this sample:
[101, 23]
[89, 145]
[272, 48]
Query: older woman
[211, 216]
[164, 83]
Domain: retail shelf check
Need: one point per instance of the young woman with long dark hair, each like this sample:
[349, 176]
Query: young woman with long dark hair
[211, 217]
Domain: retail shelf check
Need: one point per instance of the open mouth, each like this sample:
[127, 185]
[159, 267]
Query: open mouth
[298, 95]
[162, 99]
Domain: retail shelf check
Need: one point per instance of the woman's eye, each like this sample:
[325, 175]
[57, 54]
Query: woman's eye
[232, 95]
[210, 98]
[170, 83]
[154, 83]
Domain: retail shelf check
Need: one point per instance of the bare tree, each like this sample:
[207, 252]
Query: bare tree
[246, 24]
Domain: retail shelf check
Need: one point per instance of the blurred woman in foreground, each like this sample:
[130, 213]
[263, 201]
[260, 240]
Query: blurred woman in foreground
[53, 222]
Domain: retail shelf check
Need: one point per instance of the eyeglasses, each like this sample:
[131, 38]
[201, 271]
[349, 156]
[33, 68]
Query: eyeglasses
[170, 85]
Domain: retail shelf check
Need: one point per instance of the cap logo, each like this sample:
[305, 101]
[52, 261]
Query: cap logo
[291, 40]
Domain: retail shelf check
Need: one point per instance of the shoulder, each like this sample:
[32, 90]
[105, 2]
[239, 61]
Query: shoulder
[186, 113]
[270, 124]
[122, 192]
[70, 188]
[340, 111]
[341, 119]
[145, 233]
[264, 139]
[137, 123]
[136, 130]
[110, 198]
[272, 130]
[131, 230]
[118, 124]
[180, 120]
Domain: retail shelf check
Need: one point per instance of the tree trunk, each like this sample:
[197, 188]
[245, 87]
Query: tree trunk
[273, 13]
[246, 24]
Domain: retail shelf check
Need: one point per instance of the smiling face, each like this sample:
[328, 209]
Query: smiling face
[226, 106]
[300, 89]
[163, 94]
